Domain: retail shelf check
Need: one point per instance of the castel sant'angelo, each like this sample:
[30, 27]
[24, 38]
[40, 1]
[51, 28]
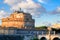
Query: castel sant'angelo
[19, 19]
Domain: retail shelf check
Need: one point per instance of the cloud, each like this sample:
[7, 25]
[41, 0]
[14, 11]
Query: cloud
[41, 1]
[47, 23]
[58, 21]
[56, 11]
[27, 5]
[3, 14]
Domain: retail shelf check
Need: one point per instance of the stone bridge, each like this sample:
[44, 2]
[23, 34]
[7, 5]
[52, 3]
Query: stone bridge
[49, 37]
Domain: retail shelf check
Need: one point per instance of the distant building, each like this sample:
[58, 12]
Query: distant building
[57, 26]
[19, 19]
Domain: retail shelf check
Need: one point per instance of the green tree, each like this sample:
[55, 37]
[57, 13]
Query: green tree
[41, 27]
[35, 39]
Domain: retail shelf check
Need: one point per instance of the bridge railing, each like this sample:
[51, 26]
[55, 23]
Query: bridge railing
[51, 33]
[25, 32]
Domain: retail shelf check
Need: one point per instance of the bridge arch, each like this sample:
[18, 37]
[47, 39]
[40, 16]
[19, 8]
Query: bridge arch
[56, 38]
[43, 38]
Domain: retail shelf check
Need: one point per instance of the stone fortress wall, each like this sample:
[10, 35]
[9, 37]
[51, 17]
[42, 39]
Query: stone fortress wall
[19, 19]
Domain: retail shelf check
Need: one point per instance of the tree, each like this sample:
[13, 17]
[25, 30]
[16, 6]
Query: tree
[35, 39]
[41, 27]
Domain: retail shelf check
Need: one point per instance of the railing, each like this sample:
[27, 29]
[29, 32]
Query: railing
[23, 32]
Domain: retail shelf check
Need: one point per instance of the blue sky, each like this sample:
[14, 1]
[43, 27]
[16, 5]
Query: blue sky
[45, 12]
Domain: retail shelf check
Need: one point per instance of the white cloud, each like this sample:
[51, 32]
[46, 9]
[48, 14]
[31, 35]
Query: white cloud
[56, 11]
[3, 14]
[27, 5]
[41, 1]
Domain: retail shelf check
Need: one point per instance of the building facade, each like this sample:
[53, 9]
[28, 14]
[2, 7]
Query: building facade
[56, 26]
[18, 19]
